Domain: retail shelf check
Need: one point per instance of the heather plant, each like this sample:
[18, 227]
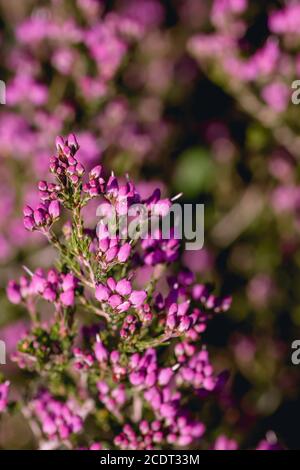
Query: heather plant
[113, 365]
[195, 95]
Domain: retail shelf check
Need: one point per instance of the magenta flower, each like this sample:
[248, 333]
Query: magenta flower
[13, 292]
[119, 295]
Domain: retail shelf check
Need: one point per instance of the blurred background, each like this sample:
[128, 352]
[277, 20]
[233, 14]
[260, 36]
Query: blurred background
[195, 97]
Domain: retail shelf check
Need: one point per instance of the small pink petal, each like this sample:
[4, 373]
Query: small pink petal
[114, 300]
[123, 287]
[67, 298]
[137, 297]
[111, 283]
[124, 253]
[101, 293]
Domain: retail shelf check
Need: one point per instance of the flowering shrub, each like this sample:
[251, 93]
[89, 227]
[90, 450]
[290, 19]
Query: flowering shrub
[118, 373]
[190, 97]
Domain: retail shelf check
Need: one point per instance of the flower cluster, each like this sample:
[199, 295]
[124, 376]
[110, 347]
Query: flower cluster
[128, 77]
[58, 420]
[119, 295]
[52, 286]
[124, 354]
[139, 369]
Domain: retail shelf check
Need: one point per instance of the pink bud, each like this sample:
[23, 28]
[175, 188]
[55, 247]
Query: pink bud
[103, 244]
[112, 185]
[27, 211]
[52, 276]
[95, 172]
[165, 376]
[93, 192]
[111, 283]
[101, 293]
[69, 282]
[209, 383]
[64, 431]
[114, 356]
[123, 287]
[102, 387]
[74, 179]
[39, 216]
[67, 298]
[173, 309]
[72, 164]
[111, 254]
[114, 300]
[137, 297]
[150, 379]
[124, 253]
[136, 378]
[43, 186]
[171, 322]
[49, 294]
[80, 169]
[13, 292]
[29, 223]
[59, 142]
[185, 324]
[49, 426]
[54, 209]
[72, 142]
[100, 352]
[183, 308]
[71, 170]
[123, 307]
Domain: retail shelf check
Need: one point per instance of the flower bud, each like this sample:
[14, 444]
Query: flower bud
[59, 142]
[137, 297]
[54, 209]
[123, 287]
[39, 217]
[13, 292]
[72, 142]
[95, 172]
[171, 322]
[67, 298]
[124, 253]
[29, 223]
[100, 351]
[101, 293]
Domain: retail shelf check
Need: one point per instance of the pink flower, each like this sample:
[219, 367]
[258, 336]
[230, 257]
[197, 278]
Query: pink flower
[101, 293]
[54, 209]
[67, 298]
[137, 297]
[100, 351]
[123, 287]
[124, 253]
[13, 292]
